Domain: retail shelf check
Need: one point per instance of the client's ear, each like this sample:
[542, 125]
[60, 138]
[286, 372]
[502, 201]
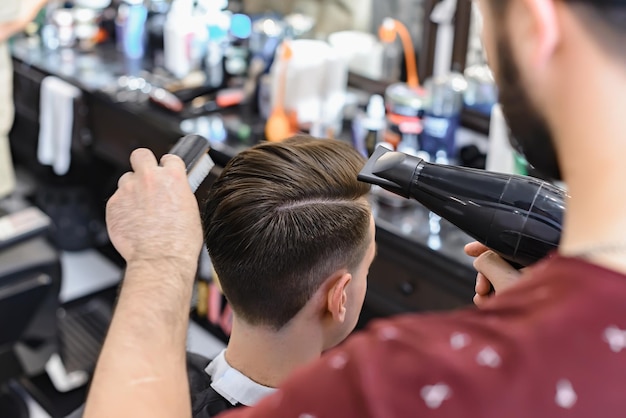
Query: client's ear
[337, 296]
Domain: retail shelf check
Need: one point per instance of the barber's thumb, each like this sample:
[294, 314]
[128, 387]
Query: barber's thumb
[474, 249]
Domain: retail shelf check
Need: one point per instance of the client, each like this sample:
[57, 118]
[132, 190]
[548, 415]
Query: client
[291, 237]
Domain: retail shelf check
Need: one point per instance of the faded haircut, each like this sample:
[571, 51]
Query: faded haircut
[280, 219]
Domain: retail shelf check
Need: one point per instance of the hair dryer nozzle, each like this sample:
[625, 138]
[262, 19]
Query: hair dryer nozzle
[393, 171]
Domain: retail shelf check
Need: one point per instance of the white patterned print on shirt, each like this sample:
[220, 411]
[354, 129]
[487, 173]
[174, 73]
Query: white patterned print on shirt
[565, 394]
[435, 395]
[616, 338]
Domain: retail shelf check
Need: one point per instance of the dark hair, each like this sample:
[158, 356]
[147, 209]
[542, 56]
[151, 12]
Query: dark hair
[280, 219]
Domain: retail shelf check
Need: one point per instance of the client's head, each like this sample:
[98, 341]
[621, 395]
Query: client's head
[291, 235]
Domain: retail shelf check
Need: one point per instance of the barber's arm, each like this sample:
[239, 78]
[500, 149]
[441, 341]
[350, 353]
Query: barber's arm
[494, 273]
[28, 11]
[154, 223]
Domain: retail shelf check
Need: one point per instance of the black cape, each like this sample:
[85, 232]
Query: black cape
[205, 401]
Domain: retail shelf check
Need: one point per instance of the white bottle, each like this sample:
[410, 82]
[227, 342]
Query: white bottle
[501, 156]
[217, 22]
[178, 38]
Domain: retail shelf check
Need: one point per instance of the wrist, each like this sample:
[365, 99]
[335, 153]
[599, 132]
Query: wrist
[161, 287]
[179, 269]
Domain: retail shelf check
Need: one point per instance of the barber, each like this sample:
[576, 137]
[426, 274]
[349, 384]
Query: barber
[551, 345]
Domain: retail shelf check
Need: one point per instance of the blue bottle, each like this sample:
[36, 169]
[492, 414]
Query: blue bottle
[130, 28]
[442, 115]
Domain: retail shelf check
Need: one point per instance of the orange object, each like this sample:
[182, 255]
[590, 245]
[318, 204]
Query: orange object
[387, 33]
[101, 36]
[203, 294]
[229, 97]
[279, 124]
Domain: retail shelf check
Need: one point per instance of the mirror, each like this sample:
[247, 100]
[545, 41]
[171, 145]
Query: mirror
[365, 16]
[353, 26]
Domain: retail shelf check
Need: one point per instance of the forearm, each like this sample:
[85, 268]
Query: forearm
[28, 12]
[141, 370]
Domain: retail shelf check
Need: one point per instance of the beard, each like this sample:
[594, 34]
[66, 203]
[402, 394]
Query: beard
[530, 134]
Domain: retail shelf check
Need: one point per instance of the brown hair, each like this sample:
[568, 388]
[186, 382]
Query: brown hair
[280, 219]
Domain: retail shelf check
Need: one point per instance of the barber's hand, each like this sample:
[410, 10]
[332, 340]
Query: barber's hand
[153, 216]
[492, 271]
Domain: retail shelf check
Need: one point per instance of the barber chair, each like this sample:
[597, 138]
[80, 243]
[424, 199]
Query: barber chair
[30, 281]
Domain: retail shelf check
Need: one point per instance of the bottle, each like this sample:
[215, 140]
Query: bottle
[199, 42]
[481, 94]
[368, 128]
[374, 123]
[217, 23]
[131, 25]
[405, 112]
[501, 157]
[178, 38]
[443, 114]
[391, 61]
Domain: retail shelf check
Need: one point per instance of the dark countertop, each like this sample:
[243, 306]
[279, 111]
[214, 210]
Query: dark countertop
[96, 72]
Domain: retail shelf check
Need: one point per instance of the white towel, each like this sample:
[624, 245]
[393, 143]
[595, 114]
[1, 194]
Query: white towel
[56, 120]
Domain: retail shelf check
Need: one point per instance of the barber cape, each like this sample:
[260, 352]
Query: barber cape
[205, 401]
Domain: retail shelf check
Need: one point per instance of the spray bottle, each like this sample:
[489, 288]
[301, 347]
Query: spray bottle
[131, 25]
[218, 24]
[178, 38]
[368, 128]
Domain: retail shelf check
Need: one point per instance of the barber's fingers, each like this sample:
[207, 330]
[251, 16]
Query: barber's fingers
[142, 159]
[496, 270]
[125, 178]
[479, 300]
[483, 290]
[483, 286]
[474, 249]
[172, 161]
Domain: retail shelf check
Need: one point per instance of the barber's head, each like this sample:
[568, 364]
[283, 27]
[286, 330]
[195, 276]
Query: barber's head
[291, 235]
[533, 46]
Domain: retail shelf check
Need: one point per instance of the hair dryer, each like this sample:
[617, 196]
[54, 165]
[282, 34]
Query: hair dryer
[517, 217]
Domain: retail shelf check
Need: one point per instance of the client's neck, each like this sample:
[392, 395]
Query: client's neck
[268, 356]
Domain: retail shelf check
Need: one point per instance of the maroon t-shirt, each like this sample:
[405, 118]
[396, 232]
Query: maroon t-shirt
[553, 346]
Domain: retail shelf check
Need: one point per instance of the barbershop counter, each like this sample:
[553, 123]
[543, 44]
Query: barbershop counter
[420, 265]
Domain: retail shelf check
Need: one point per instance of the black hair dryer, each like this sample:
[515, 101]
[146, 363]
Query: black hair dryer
[517, 217]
